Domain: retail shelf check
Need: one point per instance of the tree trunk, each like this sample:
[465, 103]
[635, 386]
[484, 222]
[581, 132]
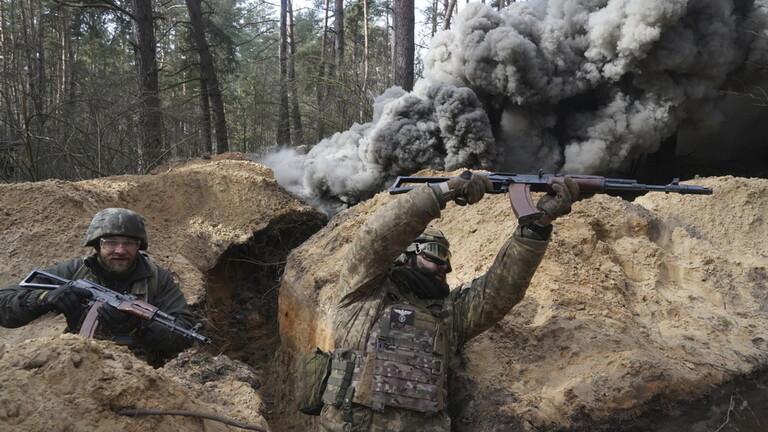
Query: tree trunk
[38, 61]
[449, 14]
[298, 130]
[326, 70]
[403, 23]
[32, 104]
[390, 70]
[365, 56]
[65, 58]
[151, 148]
[209, 81]
[433, 16]
[205, 118]
[283, 137]
[339, 53]
[338, 28]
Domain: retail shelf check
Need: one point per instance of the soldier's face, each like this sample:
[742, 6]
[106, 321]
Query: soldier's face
[437, 269]
[118, 253]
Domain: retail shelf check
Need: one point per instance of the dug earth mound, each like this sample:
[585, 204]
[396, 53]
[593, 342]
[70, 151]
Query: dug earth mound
[224, 227]
[638, 308]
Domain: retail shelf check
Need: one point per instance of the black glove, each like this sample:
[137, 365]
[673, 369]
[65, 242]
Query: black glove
[469, 187]
[116, 320]
[66, 299]
[566, 192]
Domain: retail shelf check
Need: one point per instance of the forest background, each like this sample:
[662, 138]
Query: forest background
[93, 88]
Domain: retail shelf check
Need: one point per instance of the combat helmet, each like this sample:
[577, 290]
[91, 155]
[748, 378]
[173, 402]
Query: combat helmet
[432, 243]
[116, 222]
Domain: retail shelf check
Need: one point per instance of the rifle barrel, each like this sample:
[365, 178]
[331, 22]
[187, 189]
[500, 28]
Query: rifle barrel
[674, 187]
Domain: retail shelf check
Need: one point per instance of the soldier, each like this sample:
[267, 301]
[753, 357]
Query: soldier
[398, 326]
[119, 263]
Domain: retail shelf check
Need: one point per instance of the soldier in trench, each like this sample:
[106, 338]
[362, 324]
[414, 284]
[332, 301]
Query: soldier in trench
[398, 325]
[119, 239]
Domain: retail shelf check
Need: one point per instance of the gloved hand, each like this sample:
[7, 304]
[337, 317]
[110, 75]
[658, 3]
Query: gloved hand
[566, 192]
[468, 186]
[116, 320]
[66, 299]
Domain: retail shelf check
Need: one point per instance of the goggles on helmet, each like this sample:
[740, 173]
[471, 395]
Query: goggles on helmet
[110, 244]
[435, 252]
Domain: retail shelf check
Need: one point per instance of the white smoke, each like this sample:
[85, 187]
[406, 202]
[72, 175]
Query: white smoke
[288, 166]
[445, 129]
[571, 85]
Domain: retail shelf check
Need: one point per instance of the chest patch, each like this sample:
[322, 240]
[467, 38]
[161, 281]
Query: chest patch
[402, 316]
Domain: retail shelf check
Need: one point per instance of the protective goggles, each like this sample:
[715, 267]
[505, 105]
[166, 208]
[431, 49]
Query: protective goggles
[434, 251]
[110, 244]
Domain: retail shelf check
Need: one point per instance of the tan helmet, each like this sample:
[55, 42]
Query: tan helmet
[432, 234]
[116, 222]
[431, 243]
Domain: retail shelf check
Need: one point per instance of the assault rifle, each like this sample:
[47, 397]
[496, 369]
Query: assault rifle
[124, 302]
[520, 186]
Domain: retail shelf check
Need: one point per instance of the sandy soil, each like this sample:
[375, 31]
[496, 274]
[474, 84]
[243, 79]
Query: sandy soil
[214, 223]
[638, 307]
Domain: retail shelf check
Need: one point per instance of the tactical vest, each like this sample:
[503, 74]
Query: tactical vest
[405, 360]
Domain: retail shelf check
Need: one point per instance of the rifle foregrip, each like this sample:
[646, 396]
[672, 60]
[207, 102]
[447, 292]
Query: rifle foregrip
[589, 184]
[138, 308]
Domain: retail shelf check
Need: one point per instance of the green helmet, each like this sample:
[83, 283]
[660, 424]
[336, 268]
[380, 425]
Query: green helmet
[116, 222]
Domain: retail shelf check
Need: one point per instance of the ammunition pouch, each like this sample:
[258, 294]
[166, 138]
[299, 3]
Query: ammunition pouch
[312, 374]
[339, 389]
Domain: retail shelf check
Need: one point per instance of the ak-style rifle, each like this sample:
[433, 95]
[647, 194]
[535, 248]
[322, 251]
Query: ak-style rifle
[520, 186]
[128, 303]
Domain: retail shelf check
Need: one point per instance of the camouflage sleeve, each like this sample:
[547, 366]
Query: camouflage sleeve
[377, 244]
[19, 305]
[383, 238]
[487, 299]
[170, 300]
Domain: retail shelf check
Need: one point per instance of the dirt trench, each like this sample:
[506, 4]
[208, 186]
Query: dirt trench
[644, 315]
[738, 405]
[637, 306]
[241, 305]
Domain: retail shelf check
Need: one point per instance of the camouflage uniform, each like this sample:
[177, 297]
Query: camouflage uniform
[20, 305]
[366, 289]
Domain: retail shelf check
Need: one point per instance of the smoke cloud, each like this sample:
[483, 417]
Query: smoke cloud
[438, 126]
[566, 85]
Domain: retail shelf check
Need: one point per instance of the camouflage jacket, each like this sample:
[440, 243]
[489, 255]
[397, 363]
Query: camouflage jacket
[363, 282]
[155, 285]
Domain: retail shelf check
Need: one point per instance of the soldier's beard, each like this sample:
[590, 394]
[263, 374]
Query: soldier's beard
[433, 274]
[432, 284]
[116, 264]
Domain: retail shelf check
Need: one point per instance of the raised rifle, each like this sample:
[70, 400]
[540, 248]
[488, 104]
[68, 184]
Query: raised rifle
[124, 302]
[520, 186]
